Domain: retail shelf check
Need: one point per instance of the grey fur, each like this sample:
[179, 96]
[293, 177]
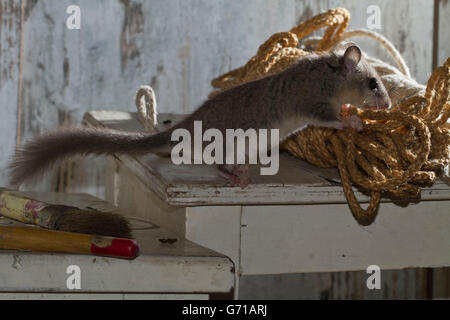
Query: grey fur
[311, 91]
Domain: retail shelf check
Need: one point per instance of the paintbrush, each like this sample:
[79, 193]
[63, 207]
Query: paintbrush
[33, 238]
[20, 207]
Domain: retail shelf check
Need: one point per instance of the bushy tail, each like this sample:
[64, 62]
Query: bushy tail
[44, 151]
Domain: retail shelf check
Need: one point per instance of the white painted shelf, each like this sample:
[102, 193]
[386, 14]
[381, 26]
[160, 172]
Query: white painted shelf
[297, 181]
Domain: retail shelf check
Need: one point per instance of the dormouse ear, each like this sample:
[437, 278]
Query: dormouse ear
[342, 46]
[352, 56]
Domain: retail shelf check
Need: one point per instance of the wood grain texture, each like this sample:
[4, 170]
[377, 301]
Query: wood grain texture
[441, 283]
[37, 239]
[10, 31]
[395, 284]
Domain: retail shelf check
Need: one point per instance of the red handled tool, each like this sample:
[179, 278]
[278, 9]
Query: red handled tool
[32, 238]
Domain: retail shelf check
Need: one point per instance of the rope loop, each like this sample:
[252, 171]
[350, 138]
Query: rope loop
[146, 107]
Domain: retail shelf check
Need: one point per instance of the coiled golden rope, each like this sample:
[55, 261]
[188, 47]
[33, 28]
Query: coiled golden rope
[398, 150]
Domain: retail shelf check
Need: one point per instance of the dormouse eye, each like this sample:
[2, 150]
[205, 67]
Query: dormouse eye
[373, 83]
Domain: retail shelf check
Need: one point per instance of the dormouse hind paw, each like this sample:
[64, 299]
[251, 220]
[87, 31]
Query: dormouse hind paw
[237, 175]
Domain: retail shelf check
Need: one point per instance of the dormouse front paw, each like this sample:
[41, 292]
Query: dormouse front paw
[352, 122]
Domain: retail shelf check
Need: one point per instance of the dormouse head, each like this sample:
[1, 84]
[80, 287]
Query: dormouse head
[359, 85]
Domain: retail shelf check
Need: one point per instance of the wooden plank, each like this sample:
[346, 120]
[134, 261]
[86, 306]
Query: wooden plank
[395, 284]
[10, 41]
[441, 283]
[297, 182]
[318, 238]
[168, 273]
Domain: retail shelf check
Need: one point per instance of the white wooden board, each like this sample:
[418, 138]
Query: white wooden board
[297, 182]
[26, 272]
[317, 238]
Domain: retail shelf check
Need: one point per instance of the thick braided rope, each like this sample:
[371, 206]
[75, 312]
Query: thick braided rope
[398, 150]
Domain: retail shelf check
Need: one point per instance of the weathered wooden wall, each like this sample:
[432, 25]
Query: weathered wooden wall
[443, 29]
[10, 34]
[177, 47]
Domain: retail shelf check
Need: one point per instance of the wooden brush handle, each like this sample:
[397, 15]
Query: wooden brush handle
[31, 238]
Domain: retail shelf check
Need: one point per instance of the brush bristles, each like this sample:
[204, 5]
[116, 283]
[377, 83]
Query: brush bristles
[94, 222]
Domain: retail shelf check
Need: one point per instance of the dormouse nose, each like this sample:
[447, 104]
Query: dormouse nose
[384, 103]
